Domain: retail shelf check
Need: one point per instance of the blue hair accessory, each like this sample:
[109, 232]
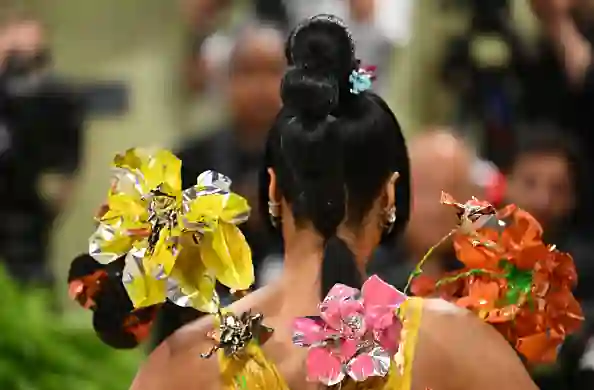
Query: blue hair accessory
[361, 79]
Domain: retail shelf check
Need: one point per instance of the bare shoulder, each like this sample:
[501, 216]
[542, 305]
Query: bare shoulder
[455, 344]
[176, 364]
[195, 333]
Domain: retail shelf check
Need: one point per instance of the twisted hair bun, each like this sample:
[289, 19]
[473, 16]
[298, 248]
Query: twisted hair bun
[321, 53]
[319, 139]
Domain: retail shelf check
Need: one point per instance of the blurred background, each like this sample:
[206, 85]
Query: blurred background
[496, 98]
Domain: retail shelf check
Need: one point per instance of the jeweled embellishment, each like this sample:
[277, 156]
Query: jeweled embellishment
[234, 333]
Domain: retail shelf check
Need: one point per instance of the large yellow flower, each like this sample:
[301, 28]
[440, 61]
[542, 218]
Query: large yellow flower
[177, 243]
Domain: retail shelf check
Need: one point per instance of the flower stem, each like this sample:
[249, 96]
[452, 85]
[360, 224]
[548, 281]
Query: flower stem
[419, 267]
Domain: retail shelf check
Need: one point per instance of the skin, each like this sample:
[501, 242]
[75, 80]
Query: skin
[253, 95]
[362, 10]
[455, 350]
[573, 49]
[440, 161]
[24, 36]
[542, 185]
[256, 68]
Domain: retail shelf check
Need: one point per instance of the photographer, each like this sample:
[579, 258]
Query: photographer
[40, 121]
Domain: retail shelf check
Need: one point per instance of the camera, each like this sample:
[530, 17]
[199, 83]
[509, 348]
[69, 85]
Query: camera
[29, 78]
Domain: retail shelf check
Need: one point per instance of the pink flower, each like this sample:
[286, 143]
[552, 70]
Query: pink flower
[371, 69]
[381, 301]
[356, 334]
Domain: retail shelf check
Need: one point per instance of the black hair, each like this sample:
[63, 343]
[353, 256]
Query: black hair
[115, 320]
[332, 151]
[547, 140]
[104, 294]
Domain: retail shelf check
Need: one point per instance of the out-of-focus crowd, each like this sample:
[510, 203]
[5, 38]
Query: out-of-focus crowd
[522, 131]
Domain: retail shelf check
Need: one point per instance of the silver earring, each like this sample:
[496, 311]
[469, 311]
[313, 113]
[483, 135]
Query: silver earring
[274, 213]
[390, 220]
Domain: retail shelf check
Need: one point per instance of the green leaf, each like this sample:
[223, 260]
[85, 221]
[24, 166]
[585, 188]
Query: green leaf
[519, 282]
[41, 350]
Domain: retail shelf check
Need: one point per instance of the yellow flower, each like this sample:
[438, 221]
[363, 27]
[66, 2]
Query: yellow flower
[177, 243]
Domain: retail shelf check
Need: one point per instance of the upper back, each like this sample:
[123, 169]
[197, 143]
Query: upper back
[177, 364]
[457, 350]
[453, 349]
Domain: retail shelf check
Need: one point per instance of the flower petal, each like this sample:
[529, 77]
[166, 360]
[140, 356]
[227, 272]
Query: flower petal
[236, 209]
[380, 300]
[143, 289]
[389, 337]
[342, 292]
[196, 283]
[374, 363]
[226, 253]
[376, 292]
[331, 309]
[475, 256]
[308, 331]
[352, 318]
[163, 169]
[165, 251]
[348, 349]
[323, 367]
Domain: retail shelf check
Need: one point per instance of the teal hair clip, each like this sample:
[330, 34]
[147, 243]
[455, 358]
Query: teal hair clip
[361, 79]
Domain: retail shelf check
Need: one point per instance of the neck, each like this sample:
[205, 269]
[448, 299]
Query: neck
[302, 273]
[361, 244]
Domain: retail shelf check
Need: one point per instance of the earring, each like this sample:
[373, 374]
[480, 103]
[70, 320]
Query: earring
[274, 213]
[390, 220]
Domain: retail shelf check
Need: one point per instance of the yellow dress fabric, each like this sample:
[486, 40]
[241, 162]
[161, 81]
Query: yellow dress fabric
[256, 372]
[400, 378]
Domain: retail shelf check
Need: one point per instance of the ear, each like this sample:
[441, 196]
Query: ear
[273, 195]
[390, 190]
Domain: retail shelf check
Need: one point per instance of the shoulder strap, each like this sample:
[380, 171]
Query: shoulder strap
[410, 314]
[248, 370]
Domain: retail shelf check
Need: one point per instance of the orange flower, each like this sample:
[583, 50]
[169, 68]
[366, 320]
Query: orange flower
[475, 255]
[510, 278]
[482, 295]
[424, 286]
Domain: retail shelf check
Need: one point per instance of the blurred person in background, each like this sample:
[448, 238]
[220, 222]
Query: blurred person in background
[477, 68]
[204, 18]
[252, 93]
[558, 81]
[440, 161]
[543, 178]
[208, 41]
[376, 38]
[375, 41]
[255, 68]
[40, 124]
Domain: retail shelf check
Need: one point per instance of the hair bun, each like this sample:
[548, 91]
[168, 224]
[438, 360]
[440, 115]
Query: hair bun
[309, 94]
[322, 54]
[323, 44]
